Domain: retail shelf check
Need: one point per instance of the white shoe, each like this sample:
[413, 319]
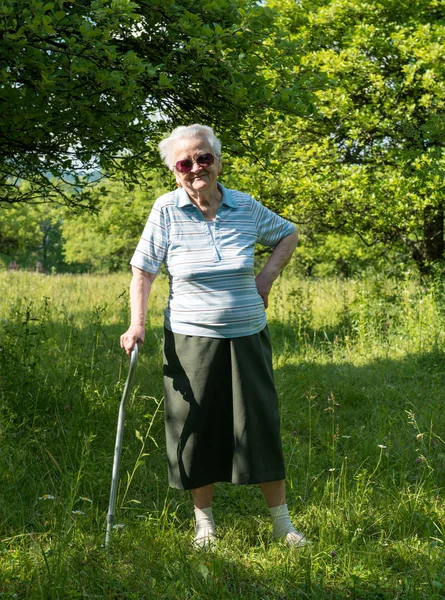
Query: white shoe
[295, 539]
[204, 542]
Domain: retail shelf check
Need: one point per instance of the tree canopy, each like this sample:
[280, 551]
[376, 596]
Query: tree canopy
[93, 85]
[106, 241]
[370, 158]
[340, 102]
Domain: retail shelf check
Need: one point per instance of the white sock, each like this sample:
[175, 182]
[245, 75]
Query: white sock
[280, 520]
[283, 528]
[204, 526]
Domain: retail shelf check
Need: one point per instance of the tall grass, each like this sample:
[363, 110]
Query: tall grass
[360, 373]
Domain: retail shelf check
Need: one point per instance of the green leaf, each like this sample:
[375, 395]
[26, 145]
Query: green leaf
[164, 80]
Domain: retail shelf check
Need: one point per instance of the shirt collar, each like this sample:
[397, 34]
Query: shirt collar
[182, 199]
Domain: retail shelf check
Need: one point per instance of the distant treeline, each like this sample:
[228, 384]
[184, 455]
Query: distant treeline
[50, 238]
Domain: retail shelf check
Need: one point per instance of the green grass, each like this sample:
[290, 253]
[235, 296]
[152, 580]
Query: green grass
[360, 373]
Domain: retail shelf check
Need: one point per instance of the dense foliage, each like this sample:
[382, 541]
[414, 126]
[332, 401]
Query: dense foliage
[370, 158]
[105, 242]
[57, 239]
[340, 104]
[96, 83]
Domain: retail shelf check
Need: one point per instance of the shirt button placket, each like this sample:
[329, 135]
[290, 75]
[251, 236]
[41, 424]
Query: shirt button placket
[216, 239]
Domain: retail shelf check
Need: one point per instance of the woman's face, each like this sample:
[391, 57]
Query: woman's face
[199, 179]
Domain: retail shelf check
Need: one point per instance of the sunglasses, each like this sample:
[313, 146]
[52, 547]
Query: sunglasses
[186, 165]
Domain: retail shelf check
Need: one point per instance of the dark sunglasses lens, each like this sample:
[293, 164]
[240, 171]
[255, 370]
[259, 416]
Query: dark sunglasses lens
[205, 160]
[184, 166]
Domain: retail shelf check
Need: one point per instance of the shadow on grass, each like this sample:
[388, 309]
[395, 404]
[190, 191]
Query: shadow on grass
[335, 405]
[60, 400]
[61, 388]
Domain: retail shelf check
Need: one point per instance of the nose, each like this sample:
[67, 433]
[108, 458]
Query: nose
[195, 167]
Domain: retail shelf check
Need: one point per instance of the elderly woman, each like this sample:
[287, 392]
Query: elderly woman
[221, 408]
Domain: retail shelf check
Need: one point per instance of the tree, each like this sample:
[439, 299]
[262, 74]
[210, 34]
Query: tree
[31, 237]
[370, 159]
[106, 241]
[91, 86]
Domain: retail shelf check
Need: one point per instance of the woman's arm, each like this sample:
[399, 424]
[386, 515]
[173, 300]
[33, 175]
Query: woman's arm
[139, 292]
[279, 258]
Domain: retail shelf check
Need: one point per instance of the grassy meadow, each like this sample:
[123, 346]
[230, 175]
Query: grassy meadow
[360, 373]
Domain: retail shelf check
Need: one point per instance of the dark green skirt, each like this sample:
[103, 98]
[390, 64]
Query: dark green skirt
[221, 410]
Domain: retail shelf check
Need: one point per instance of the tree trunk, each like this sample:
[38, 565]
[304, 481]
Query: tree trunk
[433, 239]
[432, 248]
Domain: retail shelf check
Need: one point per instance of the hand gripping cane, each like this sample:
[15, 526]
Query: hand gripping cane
[118, 445]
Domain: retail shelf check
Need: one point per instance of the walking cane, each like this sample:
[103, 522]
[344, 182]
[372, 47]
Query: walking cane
[118, 445]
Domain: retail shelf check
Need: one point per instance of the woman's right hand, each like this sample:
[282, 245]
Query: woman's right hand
[135, 334]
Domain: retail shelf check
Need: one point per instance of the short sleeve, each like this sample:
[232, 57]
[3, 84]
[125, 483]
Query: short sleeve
[152, 247]
[270, 228]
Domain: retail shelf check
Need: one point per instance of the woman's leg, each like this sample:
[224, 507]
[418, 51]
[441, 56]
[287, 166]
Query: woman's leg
[204, 523]
[274, 493]
[203, 496]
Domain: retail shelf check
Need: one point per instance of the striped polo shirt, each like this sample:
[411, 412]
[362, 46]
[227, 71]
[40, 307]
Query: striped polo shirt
[210, 264]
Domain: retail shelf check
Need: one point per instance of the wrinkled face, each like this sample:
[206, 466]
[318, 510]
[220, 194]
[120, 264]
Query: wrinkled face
[200, 178]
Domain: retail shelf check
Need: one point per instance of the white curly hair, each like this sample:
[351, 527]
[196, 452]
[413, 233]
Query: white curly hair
[166, 147]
